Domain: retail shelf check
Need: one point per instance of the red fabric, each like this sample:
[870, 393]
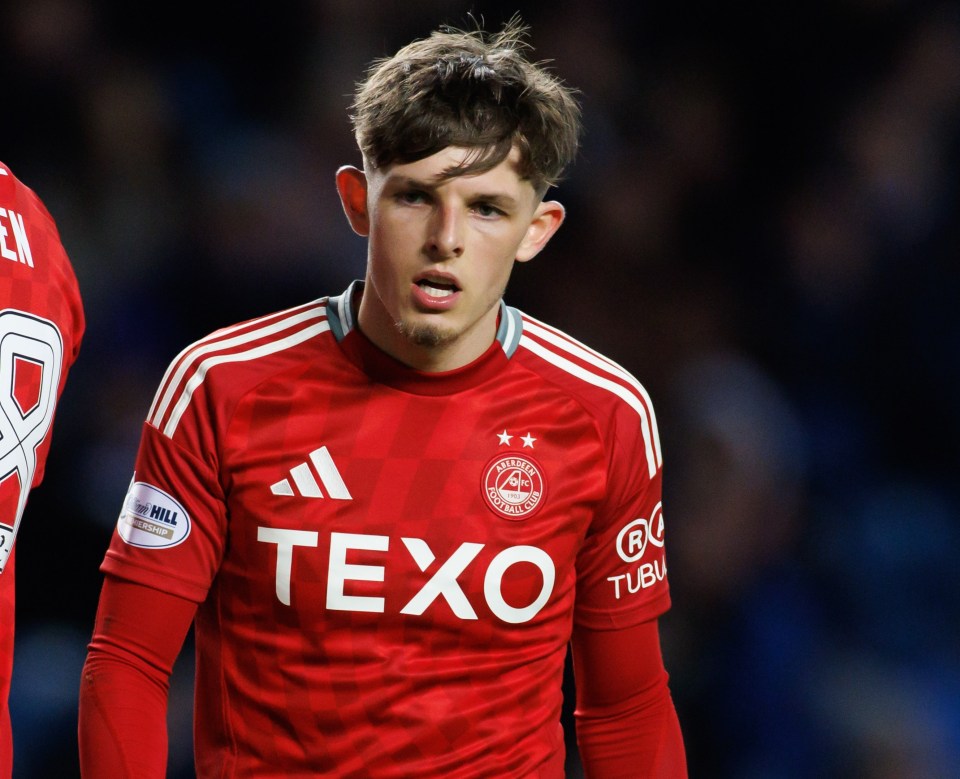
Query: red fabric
[627, 725]
[138, 634]
[41, 327]
[388, 564]
[7, 610]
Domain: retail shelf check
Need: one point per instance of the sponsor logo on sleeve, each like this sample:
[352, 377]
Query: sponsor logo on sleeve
[633, 541]
[151, 518]
[634, 538]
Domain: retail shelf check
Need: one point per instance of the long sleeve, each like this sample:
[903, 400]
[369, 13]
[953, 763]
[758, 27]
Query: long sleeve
[627, 725]
[138, 634]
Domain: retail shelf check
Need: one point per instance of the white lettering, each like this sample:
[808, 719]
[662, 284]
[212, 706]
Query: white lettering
[494, 578]
[285, 541]
[20, 239]
[633, 538]
[5, 251]
[656, 527]
[340, 571]
[444, 581]
[649, 574]
[23, 252]
[616, 584]
[644, 576]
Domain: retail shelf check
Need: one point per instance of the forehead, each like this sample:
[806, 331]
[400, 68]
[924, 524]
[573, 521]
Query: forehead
[434, 171]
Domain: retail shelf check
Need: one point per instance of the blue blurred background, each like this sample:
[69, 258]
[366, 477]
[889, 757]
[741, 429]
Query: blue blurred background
[762, 226]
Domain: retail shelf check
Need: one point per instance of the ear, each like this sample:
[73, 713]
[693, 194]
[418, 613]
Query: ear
[352, 187]
[546, 221]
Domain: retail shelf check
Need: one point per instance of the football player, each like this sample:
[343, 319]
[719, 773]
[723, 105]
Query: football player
[41, 327]
[387, 512]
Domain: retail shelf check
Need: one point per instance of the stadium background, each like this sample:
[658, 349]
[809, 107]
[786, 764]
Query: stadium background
[762, 226]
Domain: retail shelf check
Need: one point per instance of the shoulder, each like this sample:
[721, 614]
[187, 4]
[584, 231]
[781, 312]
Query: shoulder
[227, 362]
[36, 276]
[618, 401]
[30, 228]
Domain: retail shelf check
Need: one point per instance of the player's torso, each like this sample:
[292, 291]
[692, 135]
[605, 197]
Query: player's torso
[41, 323]
[362, 475]
[425, 544]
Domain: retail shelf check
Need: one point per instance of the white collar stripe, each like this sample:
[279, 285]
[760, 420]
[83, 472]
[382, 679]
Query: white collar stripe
[585, 353]
[222, 340]
[511, 327]
[251, 354]
[647, 422]
[343, 311]
[559, 338]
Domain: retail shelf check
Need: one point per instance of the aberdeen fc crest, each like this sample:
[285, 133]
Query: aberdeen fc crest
[513, 485]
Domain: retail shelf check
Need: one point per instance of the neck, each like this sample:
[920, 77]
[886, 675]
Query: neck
[422, 350]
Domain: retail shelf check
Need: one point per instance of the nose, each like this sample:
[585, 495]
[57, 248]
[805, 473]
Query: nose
[446, 236]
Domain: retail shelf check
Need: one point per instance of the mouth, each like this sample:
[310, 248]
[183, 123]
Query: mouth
[437, 286]
[437, 289]
[434, 291]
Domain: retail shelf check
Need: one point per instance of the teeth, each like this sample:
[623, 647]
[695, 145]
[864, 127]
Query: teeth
[436, 292]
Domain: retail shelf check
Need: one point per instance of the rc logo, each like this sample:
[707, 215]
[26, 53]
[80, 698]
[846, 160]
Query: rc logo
[633, 539]
[513, 485]
[306, 483]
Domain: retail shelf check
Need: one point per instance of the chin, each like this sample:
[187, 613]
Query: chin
[426, 335]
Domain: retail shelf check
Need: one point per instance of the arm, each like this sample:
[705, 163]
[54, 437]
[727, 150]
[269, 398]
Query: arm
[626, 722]
[138, 634]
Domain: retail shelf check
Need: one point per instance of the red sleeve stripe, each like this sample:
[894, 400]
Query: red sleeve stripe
[626, 387]
[189, 369]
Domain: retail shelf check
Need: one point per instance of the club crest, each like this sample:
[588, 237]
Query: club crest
[513, 485]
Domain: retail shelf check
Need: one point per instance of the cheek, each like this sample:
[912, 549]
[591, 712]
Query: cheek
[388, 245]
[496, 273]
[498, 241]
[399, 230]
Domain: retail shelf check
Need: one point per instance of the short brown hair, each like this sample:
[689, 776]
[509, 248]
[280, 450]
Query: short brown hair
[470, 89]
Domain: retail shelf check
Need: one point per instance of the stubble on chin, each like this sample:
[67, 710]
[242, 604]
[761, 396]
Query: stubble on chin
[427, 336]
[432, 336]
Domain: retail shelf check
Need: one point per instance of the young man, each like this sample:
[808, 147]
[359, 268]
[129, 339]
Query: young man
[41, 326]
[388, 512]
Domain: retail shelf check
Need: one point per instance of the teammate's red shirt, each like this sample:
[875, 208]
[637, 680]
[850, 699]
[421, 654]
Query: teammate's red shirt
[41, 326]
[389, 563]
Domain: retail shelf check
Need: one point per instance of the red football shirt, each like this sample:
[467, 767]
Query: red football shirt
[389, 563]
[41, 325]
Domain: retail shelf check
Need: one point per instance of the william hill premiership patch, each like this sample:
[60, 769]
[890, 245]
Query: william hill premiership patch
[152, 518]
[513, 485]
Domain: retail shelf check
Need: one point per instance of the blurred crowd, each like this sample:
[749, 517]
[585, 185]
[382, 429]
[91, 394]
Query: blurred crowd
[762, 227]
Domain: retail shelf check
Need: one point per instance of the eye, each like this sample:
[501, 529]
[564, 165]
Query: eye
[488, 210]
[412, 196]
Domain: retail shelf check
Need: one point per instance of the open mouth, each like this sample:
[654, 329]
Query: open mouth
[437, 288]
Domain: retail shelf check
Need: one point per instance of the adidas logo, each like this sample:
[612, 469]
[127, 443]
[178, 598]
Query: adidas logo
[306, 484]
